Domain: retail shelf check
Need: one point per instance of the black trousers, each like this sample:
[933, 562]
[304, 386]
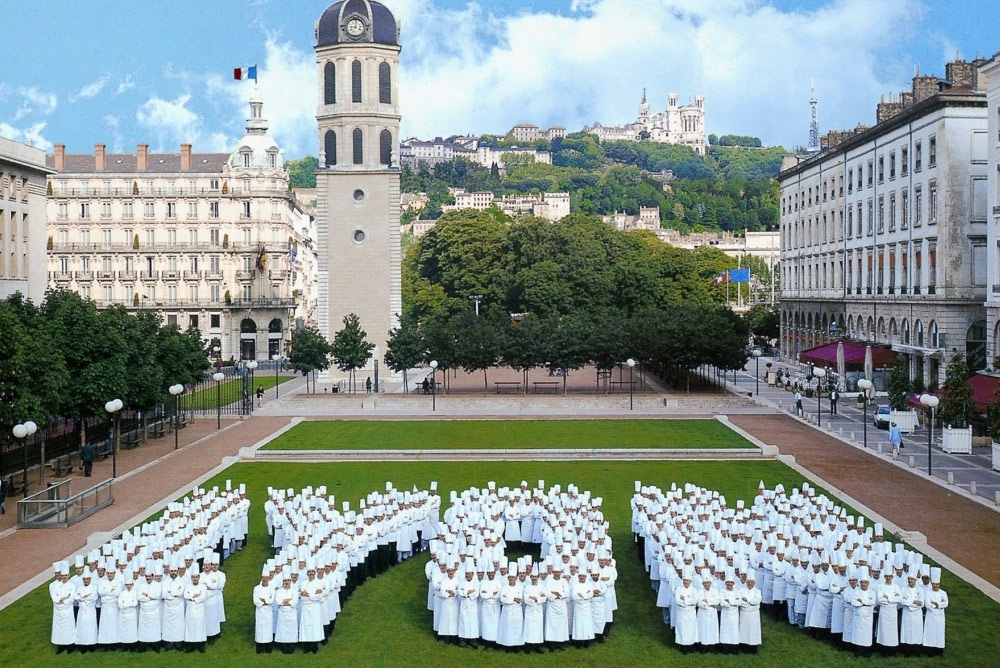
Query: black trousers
[88, 467]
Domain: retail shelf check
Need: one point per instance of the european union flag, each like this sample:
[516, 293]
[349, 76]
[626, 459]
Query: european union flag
[739, 275]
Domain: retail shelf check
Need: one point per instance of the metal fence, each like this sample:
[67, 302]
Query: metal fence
[58, 507]
[234, 395]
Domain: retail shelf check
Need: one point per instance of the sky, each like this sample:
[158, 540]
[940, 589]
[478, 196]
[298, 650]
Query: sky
[122, 72]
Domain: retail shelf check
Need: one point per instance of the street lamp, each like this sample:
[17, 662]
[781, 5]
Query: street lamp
[21, 432]
[252, 365]
[931, 402]
[176, 391]
[819, 373]
[217, 377]
[631, 364]
[865, 385]
[113, 407]
[434, 366]
[756, 356]
[277, 360]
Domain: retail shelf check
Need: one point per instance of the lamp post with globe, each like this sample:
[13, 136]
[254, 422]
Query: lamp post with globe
[631, 364]
[218, 376]
[434, 366]
[21, 432]
[864, 385]
[252, 366]
[113, 409]
[929, 401]
[756, 355]
[176, 391]
[819, 373]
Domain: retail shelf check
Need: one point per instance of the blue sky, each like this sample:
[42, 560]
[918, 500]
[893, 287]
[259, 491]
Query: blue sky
[121, 72]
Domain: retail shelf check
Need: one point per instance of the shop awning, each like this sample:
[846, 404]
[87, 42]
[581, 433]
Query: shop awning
[983, 390]
[854, 356]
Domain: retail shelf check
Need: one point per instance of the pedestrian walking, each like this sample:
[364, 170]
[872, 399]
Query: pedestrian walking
[426, 386]
[834, 395]
[368, 385]
[895, 437]
[87, 458]
[260, 394]
[798, 403]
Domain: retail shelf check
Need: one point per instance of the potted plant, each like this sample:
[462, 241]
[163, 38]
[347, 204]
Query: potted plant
[228, 298]
[957, 407]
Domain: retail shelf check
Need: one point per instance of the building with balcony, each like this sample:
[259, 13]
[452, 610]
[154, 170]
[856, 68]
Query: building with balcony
[990, 71]
[212, 241]
[22, 220]
[884, 235]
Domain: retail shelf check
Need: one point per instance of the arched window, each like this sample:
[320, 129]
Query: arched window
[329, 83]
[906, 332]
[248, 326]
[918, 333]
[356, 81]
[385, 147]
[330, 146]
[275, 326]
[359, 149]
[384, 84]
[975, 346]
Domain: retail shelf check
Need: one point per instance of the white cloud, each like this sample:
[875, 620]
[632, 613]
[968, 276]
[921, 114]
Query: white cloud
[35, 101]
[31, 135]
[173, 124]
[117, 140]
[124, 85]
[91, 90]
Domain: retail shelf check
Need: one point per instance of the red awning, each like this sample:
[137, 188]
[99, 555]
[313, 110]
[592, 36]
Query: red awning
[854, 356]
[983, 391]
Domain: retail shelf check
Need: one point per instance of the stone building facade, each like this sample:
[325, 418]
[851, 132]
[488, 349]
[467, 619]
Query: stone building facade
[22, 220]
[883, 235]
[212, 241]
[989, 73]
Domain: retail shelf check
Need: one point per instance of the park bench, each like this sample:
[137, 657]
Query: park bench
[19, 486]
[158, 429]
[130, 440]
[182, 421]
[546, 386]
[512, 386]
[61, 465]
[103, 449]
[619, 385]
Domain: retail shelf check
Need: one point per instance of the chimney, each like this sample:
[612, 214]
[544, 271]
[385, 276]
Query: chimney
[960, 73]
[142, 157]
[99, 157]
[185, 157]
[59, 158]
[924, 87]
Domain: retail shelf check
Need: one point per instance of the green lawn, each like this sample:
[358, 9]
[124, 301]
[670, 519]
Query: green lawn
[386, 622]
[229, 392]
[485, 434]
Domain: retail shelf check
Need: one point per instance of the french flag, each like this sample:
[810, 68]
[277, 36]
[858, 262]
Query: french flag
[243, 73]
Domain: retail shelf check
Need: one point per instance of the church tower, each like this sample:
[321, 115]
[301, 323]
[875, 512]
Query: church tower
[358, 179]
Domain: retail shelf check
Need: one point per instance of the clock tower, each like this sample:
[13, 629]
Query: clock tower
[358, 179]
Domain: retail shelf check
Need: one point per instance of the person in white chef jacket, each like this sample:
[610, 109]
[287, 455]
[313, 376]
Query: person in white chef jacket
[86, 619]
[263, 598]
[686, 605]
[935, 604]
[311, 594]
[557, 608]
[195, 595]
[511, 634]
[889, 596]
[468, 608]
[128, 613]
[534, 612]
[749, 601]
[448, 608]
[489, 606]
[108, 590]
[172, 596]
[286, 598]
[581, 593]
[61, 592]
[911, 628]
[598, 604]
[708, 612]
[864, 611]
[729, 613]
[150, 619]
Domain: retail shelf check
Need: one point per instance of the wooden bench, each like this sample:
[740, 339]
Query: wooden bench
[130, 440]
[546, 386]
[620, 385]
[61, 465]
[182, 422]
[158, 429]
[512, 386]
[103, 449]
[19, 486]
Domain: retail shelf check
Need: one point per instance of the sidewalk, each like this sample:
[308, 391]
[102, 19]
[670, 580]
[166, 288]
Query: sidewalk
[167, 472]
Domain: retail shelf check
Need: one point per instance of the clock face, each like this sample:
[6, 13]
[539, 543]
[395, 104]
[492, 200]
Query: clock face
[355, 27]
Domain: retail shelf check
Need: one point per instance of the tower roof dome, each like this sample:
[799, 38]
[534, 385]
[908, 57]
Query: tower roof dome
[380, 26]
[257, 149]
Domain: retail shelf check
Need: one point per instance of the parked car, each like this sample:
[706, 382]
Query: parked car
[882, 417]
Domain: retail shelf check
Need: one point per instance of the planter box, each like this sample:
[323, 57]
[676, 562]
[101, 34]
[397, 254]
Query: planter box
[956, 441]
[996, 456]
[905, 420]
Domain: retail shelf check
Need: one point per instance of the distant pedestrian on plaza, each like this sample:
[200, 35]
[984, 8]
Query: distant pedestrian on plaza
[426, 385]
[834, 395]
[895, 437]
[798, 403]
[4, 484]
[87, 458]
[368, 385]
[260, 394]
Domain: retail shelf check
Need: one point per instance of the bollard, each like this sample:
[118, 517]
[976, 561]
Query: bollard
[913, 461]
[972, 488]
[895, 455]
[852, 435]
[998, 498]
[840, 431]
[951, 477]
[829, 426]
[879, 447]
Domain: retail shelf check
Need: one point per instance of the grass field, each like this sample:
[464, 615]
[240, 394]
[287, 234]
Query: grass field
[229, 392]
[486, 434]
[386, 622]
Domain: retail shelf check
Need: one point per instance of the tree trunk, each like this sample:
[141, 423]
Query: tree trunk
[486, 383]
[81, 424]
[406, 383]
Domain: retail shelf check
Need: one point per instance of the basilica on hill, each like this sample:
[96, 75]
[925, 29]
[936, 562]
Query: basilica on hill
[674, 125]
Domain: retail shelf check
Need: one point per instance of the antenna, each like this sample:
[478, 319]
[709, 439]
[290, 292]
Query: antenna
[813, 119]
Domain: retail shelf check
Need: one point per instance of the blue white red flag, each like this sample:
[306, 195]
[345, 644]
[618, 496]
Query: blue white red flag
[721, 279]
[243, 73]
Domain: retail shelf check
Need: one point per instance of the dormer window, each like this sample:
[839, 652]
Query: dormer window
[272, 160]
[246, 159]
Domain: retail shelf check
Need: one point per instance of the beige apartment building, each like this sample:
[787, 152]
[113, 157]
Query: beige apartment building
[213, 241]
[22, 220]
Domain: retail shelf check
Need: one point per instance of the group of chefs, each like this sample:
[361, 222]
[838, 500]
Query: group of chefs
[798, 555]
[158, 585]
[481, 597]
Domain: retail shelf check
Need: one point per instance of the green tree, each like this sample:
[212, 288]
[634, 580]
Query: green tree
[524, 345]
[479, 341]
[898, 384]
[302, 173]
[351, 349]
[309, 351]
[763, 320]
[957, 405]
[181, 356]
[993, 416]
[404, 349]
